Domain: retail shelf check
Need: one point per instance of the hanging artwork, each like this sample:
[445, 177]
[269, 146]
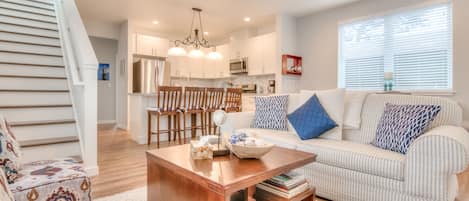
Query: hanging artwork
[291, 65]
[104, 72]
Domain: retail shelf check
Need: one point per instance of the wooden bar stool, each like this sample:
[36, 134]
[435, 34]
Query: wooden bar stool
[194, 101]
[213, 102]
[168, 104]
[233, 100]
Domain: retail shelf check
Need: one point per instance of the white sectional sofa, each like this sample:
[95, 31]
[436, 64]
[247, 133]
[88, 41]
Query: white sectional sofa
[353, 169]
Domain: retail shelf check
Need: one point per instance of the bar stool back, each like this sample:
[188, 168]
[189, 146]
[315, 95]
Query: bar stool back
[233, 100]
[194, 102]
[214, 101]
[168, 104]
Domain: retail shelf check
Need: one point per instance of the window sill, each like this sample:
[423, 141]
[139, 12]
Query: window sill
[416, 92]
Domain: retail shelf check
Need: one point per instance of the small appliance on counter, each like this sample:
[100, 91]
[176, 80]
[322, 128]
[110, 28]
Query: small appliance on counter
[271, 88]
[239, 66]
[248, 88]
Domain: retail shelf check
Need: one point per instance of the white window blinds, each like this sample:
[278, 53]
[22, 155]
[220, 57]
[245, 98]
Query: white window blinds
[415, 45]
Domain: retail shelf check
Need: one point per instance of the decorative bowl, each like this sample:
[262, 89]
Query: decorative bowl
[248, 151]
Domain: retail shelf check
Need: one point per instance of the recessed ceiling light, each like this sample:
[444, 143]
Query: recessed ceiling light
[205, 32]
[155, 22]
[247, 19]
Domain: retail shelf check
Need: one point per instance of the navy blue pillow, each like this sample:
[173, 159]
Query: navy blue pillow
[311, 119]
[400, 125]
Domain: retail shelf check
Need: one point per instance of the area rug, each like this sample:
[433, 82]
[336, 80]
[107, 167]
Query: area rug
[139, 194]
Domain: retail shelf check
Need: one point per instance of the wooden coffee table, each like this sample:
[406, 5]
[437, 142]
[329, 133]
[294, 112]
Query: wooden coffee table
[174, 176]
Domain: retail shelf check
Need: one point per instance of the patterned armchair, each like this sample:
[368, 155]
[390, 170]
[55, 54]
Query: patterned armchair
[47, 180]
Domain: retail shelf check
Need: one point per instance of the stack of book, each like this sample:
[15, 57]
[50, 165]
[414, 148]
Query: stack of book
[286, 185]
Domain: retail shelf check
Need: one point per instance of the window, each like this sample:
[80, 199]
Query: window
[415, 45]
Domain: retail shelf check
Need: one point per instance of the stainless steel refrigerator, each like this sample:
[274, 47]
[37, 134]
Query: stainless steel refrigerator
[148, 74]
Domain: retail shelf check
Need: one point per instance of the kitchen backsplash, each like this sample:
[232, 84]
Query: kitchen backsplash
[261, 81]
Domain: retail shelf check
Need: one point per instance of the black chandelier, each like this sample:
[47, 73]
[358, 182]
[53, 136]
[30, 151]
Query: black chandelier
[195, 39]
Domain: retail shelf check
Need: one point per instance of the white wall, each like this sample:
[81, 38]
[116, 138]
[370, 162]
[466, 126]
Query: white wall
[101, 29]
[106, 50]
[286, 29]
[317, 42]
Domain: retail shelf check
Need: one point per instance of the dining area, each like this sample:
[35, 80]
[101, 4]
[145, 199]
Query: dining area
[176, 114]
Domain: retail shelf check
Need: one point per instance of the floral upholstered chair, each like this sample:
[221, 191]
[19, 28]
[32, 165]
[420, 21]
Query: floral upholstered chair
[47, 180]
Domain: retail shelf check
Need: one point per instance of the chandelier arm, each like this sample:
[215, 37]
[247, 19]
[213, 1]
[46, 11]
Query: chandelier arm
[192, 24]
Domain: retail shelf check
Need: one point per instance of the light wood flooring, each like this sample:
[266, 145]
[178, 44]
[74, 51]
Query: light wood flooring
[122, 165]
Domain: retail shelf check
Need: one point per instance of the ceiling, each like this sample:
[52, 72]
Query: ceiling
[219, 17]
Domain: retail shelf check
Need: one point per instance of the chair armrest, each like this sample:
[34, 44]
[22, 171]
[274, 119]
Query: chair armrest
[236, 121]
[434, 159]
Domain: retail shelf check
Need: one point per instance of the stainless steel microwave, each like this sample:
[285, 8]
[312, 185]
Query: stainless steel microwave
[238, 66]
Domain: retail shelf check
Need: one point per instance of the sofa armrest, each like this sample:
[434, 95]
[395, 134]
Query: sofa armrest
[236, 121]
[434, 159]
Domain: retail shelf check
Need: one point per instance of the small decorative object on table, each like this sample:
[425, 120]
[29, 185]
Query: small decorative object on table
[201, 150]
[245, 145]
[388, 81]
[219, 118]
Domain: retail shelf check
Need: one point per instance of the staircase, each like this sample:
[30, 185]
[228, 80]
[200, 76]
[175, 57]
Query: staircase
[35, 94]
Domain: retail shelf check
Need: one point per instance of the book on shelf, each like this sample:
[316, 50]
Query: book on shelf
[282, 193]
[286, 185]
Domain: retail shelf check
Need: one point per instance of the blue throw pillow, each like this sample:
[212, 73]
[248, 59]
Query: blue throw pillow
[311, 119]
[400, 125]
[271, 112]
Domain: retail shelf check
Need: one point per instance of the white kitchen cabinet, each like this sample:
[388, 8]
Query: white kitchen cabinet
[255, 56]
[179, 66]
[262, 54]
[238, 49]
[270, 53]
[152, 46]
[223, 64]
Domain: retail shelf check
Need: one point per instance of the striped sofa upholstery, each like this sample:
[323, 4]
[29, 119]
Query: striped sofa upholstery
[352, 169]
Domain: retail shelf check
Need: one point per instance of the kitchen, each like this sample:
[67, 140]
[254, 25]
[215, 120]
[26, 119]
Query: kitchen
[247, 60]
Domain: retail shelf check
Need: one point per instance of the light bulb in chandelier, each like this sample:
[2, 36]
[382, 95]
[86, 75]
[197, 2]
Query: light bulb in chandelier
[177, 51]
[214, 54]
[196, 53]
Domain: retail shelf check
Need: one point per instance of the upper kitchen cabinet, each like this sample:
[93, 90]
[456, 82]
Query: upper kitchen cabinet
[152, 46]
[270, 53]
[262, 54]
[222, 65]
[238, 49]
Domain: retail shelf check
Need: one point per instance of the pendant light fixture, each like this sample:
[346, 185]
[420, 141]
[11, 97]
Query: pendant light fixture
[195, 41]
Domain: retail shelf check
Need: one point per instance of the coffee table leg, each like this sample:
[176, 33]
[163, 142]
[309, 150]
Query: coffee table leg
[249, 193]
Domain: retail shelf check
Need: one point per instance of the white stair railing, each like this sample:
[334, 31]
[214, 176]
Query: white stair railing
[81, 67]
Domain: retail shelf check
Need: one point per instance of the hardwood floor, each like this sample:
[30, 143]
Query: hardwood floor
[122, 165]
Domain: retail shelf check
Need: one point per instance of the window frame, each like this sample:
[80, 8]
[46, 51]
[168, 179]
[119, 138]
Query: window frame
[427, 5]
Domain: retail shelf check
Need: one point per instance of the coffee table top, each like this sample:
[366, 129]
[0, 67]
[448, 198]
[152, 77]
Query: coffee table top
[229, 173]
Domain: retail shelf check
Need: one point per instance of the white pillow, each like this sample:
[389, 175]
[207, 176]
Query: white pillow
[353, 108]
[333, 103]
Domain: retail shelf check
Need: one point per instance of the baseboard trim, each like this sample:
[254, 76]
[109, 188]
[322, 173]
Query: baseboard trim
[107, 121]
[92, 171]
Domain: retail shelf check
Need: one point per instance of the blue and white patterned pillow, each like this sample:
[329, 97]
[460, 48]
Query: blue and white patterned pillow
[271, 112]
[400, 125]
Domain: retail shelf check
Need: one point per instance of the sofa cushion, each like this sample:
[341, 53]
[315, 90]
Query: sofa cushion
[53, 180]
[333, 102]
[311, 119]
[353, 108]
[400, 125]
[284, 139]
[271, 112]
[357, 157]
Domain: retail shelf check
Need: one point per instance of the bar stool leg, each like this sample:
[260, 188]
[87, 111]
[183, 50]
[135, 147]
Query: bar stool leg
[179, 127]
[202, 123]
[148, 127]
[169, 128]
[158, 130]
[184, 124]
[210, 125]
